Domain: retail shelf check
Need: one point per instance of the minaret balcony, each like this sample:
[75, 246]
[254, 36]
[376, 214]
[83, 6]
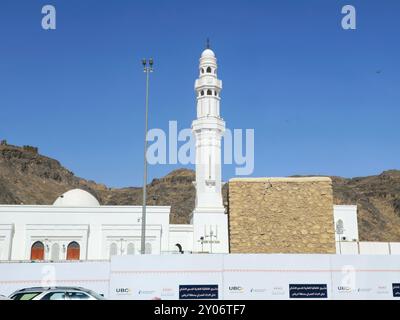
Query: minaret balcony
[210, 123]
[206, 82]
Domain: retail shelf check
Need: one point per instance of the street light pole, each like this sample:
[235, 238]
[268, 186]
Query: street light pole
[148, 67]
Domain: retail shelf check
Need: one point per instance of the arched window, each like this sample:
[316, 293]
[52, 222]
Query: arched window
[209, 92]
[131, 249]
[209, 70]
[55, 252]
[73, 251]
[202, 70]
[37, 251]
[202, 92]
[147, 248]
[215, 93]
[113, 249]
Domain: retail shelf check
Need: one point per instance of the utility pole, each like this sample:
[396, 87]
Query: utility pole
[148, 68]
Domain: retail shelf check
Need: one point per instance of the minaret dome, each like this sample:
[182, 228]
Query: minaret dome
[208, 53]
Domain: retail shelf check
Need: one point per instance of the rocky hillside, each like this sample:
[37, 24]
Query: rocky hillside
[26, 177]
[378, 200]
[30, 178]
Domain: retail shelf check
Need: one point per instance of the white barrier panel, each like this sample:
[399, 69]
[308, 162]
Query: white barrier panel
[90, 275]
[277, 276]
[395, 247]
[365, 277]
[347, 247]
[166, 277]
[255, 276]
[234, 276]
[374, 248]
[363, 247]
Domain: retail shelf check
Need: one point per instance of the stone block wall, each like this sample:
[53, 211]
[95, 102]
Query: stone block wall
[281, 215]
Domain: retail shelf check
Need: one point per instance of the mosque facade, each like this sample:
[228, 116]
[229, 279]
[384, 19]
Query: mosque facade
[77, 227]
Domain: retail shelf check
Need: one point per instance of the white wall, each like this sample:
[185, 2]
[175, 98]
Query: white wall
[236, 276]
[368, 248]
[152, 277]
[90, 275]
[6, 231]
[347, 247]
[256, 276]
[94, 228]
[395, 247]
[182, 234]
[212, 225]
[374, 248]
[348, 214]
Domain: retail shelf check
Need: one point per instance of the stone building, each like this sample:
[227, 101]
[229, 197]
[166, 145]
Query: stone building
[281, 215]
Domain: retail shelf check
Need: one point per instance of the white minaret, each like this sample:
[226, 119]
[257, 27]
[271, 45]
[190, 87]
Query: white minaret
[209, 219]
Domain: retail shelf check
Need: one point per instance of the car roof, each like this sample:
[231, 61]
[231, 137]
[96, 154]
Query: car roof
[52, 289]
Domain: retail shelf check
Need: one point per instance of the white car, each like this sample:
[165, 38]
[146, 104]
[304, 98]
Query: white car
[56, 293]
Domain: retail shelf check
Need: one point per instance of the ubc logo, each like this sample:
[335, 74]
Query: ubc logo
[344, 288]
[122, 290]
[236, 288]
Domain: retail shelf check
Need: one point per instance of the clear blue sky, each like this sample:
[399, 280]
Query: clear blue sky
[322, 100]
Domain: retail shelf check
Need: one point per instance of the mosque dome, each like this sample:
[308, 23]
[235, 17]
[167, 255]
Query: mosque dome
[208, 53]
[76, 198]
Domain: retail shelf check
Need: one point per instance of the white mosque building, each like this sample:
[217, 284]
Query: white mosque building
[77, 227]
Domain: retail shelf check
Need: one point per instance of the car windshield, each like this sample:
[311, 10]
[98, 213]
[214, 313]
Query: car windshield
[25, 295]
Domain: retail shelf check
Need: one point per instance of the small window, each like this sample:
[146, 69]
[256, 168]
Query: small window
[202, 92]
[209, 92]
[37, 251]
[148, 248]
[202, 70]
[73, 251]
[113, 249]
[131, 249]
[215, 93]
[209, 70]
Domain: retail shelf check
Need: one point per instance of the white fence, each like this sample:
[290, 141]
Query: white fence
[91, 275]
[374, 248]
[231, 276]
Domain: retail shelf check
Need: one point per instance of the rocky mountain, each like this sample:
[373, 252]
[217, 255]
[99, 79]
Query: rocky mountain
[378, 200]
[26, 177]
[30, 178]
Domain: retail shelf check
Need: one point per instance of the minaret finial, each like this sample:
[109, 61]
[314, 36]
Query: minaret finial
[208, 43]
